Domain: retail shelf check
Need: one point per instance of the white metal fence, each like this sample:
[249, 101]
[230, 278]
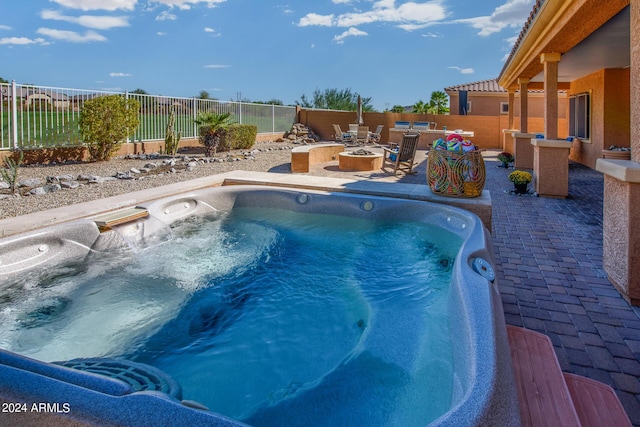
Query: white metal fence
[39, 116]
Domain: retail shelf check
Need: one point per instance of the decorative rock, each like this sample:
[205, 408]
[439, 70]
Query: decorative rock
[66, 177]
[38, 191]
[4, 185]
[95, 180]
[69, 184]
[52, 188]
[124, 175]
[191, 166]
[31, 182]
[53, 179]
[134, 170]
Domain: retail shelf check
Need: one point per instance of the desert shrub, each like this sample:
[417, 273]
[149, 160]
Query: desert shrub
[211, 126]
[106, 122]
[9, 173]
[238, 137]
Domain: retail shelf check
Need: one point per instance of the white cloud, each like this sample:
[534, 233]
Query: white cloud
[22, 41]
[166, 16]
[5, 27]
[341, 1]
[462, 70]
[408, 16]
[120, 75]
[216, 66]
[187, 4]
[209, 30]
[71, 36]
[351, 32]
[97, 22]
[161, 33]
[431, 35]
[98, 5]
[513, 13]
[314, 19]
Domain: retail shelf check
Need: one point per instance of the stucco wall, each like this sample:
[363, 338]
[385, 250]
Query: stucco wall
[610, 109]
[487, 129]
[488, 104]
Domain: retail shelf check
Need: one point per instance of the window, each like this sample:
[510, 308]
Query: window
[580, 116]
[504, 108]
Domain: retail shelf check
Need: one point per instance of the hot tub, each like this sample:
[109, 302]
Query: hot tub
[478, 391]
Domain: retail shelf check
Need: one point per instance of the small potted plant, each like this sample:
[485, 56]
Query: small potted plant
[520, 181]
[505, 158]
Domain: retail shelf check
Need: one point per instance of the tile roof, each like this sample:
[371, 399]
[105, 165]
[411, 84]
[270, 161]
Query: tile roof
[480, 86]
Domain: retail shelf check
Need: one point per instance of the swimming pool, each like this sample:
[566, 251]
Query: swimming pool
[471, 361]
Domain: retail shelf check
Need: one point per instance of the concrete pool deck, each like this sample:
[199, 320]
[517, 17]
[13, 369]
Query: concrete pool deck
[549, 268]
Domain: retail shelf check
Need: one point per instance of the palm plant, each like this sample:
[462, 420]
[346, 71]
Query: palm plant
[438, 102]
[420, 107]
[211, 127]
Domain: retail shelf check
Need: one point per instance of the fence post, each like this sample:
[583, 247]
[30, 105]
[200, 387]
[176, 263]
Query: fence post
[273, 118]
[126, 97]
[195, 116]
[14, 114]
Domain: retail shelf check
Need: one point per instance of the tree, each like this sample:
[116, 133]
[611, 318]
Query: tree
[334, 99]
[211, 126]
[203, 95]
[438, 104]
[106, 122]
[420, 107]
[139, 91]
[3, 80]
[397, 109]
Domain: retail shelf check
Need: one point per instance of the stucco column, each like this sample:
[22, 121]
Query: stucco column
[512, 97]
[634, 34]
[621, 210]
[551, 167]
[550, 62]
[524, 104]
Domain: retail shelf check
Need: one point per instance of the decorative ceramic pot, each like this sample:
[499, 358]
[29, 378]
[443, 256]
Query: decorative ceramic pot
[616, 154]
[505, 165]
[520, 188]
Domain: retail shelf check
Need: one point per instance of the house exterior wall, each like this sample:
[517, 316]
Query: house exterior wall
[610, 113]
[488, 104]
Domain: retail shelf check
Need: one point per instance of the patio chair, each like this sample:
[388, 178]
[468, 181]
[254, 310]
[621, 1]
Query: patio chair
[402, 157]
[342, 137]
[362, 135]
[374, 137]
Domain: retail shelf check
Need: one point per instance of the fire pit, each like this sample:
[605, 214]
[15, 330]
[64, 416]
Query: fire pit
[360, 160]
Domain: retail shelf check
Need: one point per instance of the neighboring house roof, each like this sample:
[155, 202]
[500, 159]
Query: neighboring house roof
[480, 86]
[487, 86]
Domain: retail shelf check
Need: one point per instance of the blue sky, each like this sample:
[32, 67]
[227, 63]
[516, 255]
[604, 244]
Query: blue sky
[396, 52]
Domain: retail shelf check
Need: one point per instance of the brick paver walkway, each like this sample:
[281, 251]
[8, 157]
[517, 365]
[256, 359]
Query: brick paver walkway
[549, 269]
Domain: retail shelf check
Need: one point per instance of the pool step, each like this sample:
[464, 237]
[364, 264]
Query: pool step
[549, 397]
[107, 221]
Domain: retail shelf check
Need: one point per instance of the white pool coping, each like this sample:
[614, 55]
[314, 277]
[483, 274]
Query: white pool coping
[480, 206]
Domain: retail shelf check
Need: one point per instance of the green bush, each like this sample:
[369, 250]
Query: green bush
[106, 122]
[238, 137]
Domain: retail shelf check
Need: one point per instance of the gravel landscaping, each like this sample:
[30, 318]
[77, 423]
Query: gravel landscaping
[95, 180]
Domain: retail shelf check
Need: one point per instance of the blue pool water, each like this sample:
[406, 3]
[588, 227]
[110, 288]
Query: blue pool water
[264, 315]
